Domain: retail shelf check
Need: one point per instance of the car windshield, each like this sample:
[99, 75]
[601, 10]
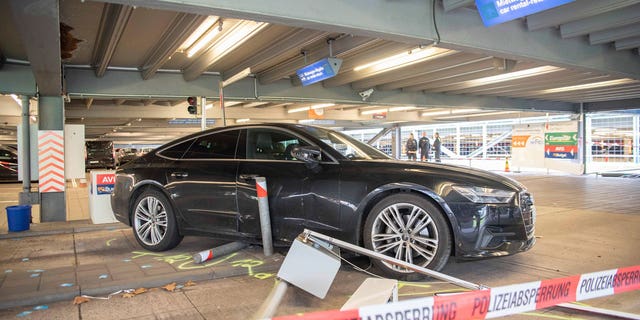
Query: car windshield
[346, 145]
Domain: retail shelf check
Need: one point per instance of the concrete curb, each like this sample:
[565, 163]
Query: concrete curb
[80, 229]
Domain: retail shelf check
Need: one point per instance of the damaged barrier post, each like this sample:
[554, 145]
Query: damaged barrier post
[219, 251]
[265, 217]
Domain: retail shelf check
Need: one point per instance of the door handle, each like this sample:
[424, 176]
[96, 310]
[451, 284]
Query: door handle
[179, 174]
[248, 176]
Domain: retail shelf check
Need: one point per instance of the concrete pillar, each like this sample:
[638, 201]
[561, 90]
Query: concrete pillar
[25, 195]
[396, 143]
[51, 114]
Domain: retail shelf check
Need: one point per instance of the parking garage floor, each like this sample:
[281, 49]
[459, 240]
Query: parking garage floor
[585, 224]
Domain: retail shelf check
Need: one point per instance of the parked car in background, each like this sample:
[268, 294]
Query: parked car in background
[125, 155]
[325, 181]
[100, 155]
[8, 164]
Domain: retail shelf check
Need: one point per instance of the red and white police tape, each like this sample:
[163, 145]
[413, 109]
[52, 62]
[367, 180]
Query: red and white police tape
[495, 302]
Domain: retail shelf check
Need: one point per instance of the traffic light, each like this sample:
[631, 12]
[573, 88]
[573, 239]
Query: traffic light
[193, 105]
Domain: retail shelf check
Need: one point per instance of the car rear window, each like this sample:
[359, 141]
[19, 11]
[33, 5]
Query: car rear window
[176, 151]
[220, 145]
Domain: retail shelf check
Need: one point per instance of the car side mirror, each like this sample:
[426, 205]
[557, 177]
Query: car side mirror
[310, 155]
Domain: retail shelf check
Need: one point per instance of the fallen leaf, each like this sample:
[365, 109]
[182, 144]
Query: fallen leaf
[140, 290]
[80, 300]
[189, 284]
[170, 287]
[128, 295]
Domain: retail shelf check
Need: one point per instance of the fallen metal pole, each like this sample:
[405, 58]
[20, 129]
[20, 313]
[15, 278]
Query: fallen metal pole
[270, 305]
[265, 217]
[219, 251]
[308, 234]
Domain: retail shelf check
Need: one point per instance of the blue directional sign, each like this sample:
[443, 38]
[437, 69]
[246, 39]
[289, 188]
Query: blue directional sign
[320, 70]
[499, 11]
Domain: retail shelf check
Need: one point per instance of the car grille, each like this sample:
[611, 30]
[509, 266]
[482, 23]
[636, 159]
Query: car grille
[528, 213]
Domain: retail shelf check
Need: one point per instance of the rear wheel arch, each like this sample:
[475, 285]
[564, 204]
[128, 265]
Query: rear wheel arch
[142, 187]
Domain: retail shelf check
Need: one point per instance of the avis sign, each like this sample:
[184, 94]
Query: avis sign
[105, 182]
[561, 145]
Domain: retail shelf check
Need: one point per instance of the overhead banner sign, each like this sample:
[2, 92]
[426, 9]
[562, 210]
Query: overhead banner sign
[498, 11]
[320, 70]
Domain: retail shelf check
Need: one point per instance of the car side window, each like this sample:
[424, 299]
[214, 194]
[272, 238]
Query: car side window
[271, 144]
[176, 152]
[219, 145]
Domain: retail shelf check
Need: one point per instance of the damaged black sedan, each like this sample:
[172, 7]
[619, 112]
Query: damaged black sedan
[325, 181]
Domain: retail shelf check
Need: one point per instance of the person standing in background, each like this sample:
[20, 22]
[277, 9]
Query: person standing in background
[425, 147]
[437, 147]
[412, 147]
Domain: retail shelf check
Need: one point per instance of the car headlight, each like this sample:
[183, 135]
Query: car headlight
[484, 195]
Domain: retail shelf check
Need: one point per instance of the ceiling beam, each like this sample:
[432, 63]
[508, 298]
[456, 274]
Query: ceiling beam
[455, 4]
[573, 11]
[417, 73]
[38, 25]
[609, 20]
[347, 74]
[610, 35]
[341, 46]
[628, 43]
[180, 28]
[288, 41]
[163, 86]
[613, 105]
[112, 25]
[124, 84]
[410, 21]
[231, 38]
[372, 71]
[17, 79]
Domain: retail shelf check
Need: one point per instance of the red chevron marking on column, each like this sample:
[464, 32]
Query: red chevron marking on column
[51, 149]
[51, 133]
[46, 143]
[54, 165]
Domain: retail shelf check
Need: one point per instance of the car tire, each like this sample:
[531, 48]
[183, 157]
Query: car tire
[154, 223]
[408, 227]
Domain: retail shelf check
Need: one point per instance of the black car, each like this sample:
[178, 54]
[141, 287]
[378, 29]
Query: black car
[100, 155]
[8, 164]
[326, 181]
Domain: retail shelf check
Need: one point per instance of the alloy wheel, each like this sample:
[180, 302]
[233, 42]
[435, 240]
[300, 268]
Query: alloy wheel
[150, 220]
[406, 232]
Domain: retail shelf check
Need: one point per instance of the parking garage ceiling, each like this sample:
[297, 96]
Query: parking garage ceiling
[129, 65]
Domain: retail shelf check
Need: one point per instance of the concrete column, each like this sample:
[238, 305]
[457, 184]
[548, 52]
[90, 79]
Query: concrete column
[396, 143]
[25, 195]
[485, 140]
[51, 113]
[588, 143]
[636, 139]
[584, 143]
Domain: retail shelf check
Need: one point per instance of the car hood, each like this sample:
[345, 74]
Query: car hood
[448, 170]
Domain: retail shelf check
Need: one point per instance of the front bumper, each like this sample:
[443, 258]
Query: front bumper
[495, 230]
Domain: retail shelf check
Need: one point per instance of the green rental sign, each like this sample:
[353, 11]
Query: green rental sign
[561, 138]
